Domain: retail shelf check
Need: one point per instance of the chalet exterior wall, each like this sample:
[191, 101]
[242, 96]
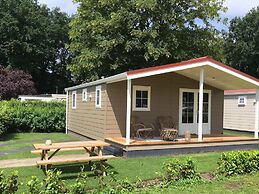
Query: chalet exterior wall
[239, 117]
[110, 119]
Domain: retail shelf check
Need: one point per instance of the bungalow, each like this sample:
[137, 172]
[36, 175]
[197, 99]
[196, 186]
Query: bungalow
[240, 109]
[191, 92]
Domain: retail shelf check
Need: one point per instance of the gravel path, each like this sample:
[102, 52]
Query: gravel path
[18, 162]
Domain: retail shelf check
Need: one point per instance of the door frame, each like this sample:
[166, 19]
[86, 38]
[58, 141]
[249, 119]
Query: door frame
[195, 114]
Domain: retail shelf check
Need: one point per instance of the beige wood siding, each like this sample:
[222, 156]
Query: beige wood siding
[237, 116]
[86, 119]
[164, 101]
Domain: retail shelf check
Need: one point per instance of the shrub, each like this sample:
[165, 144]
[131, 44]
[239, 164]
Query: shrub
[14, 83]
[238, 162]
[16, 116]
[8, 185]
[176, 170]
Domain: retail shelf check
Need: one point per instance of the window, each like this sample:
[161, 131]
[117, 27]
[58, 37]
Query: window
[98, 97]
[84, 95]
[241, 100]
[141, 98]
[74, 100]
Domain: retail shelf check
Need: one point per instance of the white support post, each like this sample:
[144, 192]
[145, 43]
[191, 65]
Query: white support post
[128, 114]
[67, 108]
[257, 113]
[200, 105]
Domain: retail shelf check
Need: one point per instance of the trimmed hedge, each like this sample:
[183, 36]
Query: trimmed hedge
[32, 116]
[238, 162]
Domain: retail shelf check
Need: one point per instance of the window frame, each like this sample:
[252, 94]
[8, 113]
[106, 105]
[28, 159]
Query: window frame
[84, 91]
[72, 105]
[245, 100]
[98, 88]
[141, 88]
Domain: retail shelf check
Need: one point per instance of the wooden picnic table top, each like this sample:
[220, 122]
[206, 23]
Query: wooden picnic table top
[74, 144]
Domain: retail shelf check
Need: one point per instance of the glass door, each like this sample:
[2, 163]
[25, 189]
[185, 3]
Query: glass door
[189, 111]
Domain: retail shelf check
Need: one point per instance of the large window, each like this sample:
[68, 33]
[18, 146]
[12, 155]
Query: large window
[74, 100]
[84, 95]
[188, 107]
[141, 98]
[98, 97]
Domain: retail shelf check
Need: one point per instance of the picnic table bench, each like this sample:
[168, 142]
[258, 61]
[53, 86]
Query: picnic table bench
[93, 148]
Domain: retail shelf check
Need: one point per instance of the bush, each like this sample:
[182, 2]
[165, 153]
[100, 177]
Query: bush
[36, 116]
[238, 162]
[8, 185]
[176, 170]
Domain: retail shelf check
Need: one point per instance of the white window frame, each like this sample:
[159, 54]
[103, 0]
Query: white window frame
[142, 88]
[73, 93]
[245, 100]
[98, 88]
[84, 95]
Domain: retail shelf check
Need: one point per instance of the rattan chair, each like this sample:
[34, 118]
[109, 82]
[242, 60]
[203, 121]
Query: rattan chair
[168, 128]
[140, 130]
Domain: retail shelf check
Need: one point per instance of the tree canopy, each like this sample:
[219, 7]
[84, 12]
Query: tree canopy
[33, 38]
[14, 83]
[112, 36]
[242, 43]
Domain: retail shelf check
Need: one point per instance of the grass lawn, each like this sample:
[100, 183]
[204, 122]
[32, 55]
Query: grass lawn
[18, 141]
[234, 185]
[133, 168]
[238, 133]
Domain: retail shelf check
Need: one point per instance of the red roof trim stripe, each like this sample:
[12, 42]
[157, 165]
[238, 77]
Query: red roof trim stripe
[240, 91]
[189, 62]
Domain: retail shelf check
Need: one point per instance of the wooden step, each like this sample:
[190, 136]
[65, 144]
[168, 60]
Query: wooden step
[75, 159]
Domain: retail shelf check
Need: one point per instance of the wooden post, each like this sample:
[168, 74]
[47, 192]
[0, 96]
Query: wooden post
[67, 108]
[128, 114]
[256, 114]
[200, 105]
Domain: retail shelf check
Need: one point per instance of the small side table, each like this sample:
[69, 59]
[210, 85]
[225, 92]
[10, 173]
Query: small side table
[169, 134]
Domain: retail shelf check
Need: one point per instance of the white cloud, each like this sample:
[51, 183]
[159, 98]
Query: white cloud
[65, 5]
[239, 8]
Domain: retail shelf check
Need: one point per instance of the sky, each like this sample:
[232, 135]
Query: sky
[235, 7]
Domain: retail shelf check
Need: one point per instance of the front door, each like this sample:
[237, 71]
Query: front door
[189, 109]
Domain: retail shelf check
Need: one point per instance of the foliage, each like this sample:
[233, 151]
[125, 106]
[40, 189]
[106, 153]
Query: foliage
[109, 37]
[14, 83]
[241, 45]
[8, 185]
[79, 186]
[176, 170]
[33, 39]
[238, 162]
[115, 186]
[51, 185]
[32, 116]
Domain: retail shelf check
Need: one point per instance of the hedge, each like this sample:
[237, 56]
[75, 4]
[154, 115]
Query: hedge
[238, 162]
[32, 116]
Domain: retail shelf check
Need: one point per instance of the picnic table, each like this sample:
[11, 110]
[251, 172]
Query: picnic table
[93, 148]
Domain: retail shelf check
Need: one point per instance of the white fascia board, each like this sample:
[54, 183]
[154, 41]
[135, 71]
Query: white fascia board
[111, 79]
[234, 73]
[166, 70]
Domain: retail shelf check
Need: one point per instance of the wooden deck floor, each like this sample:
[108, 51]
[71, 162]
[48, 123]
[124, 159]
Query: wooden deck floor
[156, 141]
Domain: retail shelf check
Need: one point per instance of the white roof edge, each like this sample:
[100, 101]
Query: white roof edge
[114, 78]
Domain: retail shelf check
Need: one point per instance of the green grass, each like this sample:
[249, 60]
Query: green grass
[238, 133]
[132, 169]
[234, 185]
[24, 140]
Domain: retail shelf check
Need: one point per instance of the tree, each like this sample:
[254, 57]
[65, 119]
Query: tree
[14, 83]
[242, 43]
[33, 38]
[112, 36]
